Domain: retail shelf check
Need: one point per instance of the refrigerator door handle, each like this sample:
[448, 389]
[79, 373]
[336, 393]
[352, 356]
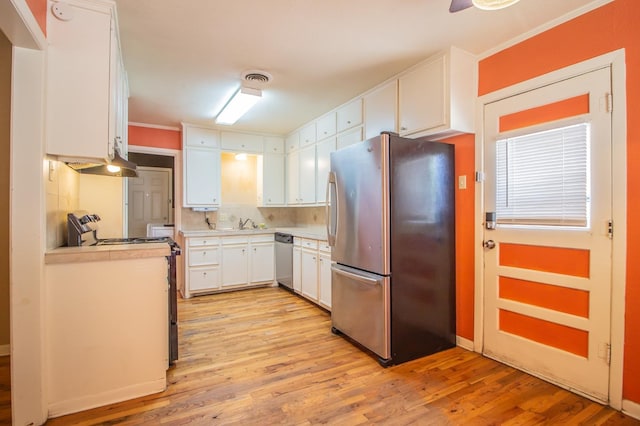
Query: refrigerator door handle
[363, 279]
[331, 210]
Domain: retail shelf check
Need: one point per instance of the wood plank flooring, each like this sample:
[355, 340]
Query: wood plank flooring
[265, 356]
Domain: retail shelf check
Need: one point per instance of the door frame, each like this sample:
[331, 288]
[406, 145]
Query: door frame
[616, 60]
[177, 175]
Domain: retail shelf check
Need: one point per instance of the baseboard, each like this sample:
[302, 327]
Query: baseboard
[631, 409]
[87, 402]
[5, 350]
[464, 343]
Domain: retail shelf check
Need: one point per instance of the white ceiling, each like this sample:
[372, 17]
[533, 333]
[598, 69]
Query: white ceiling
[185, 58]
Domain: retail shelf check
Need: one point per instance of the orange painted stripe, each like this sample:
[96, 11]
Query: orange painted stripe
[548, 333]
[155, 138]
[560, 260]
[561, 299]
[545, 113]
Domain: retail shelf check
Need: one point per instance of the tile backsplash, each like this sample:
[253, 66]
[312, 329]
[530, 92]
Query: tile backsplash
[63, 196]
[229, 215]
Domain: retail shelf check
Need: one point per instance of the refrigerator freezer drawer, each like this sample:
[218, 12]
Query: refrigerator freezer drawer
[360, 308]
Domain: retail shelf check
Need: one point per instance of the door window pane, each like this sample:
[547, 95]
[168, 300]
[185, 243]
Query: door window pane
[543, 178]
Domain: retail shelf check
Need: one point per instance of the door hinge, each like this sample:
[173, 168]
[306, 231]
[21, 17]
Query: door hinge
[479, 176]
[609, 102]
[610, 228]
[605, 353]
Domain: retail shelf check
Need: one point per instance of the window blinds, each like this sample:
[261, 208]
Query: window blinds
[543, 178]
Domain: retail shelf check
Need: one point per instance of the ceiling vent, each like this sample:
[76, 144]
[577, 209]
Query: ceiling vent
[256, 78]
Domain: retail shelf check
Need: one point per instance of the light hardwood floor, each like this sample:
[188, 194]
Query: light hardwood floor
[265, 356]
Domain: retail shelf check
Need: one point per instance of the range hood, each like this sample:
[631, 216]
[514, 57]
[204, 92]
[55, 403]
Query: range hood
[118, 167]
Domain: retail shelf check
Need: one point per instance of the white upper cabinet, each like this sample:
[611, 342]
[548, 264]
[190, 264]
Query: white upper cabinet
[201, 137]
[350, 115]
[201, 167]
[326, 126]
[323, 152]
[241, 142]
[437, 96]
[381, 110]
[308, 134]
[83, 62]
[292, 142]
[349, 137]
[273, 145]
[271, 180]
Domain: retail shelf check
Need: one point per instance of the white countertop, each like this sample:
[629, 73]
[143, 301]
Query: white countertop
[107, 252]
[315, 232]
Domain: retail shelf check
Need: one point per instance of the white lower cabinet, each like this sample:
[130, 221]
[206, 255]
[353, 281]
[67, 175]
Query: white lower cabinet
[324, 275]
[312, 270]
[227, 263]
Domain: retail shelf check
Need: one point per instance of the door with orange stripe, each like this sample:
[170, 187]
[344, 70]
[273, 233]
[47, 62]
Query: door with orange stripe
[547, 234]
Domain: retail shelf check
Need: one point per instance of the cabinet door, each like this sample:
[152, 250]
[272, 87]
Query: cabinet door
[272, 180]
[309, 274]
[297, 270]
[292, 142]
[326, 126]
[323, 151]
[307, 188]
[350, 115]
[308, 134]
[203, 279]
[202, 177]
[349, 138]
[235, 265]
[79, 84]
[293, 177]
[201, 137]
[422, 97]
[324, 280]
[241, 142]
[262, 263]
[273, 145]
[381, 110]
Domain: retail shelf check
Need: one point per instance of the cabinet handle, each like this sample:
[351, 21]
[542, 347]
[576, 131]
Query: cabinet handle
[201, 142]
[204, 273]
[403, 128]
[348, 121]
[204, 253]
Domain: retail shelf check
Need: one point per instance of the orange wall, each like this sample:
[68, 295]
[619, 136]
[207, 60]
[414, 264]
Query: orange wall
[156, 138]
[608, 28]
[39, 10]
[465, 198]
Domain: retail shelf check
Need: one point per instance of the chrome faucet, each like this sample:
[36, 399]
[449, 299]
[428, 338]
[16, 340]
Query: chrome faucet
[242, 224]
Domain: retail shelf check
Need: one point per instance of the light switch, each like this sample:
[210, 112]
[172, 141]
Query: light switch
[462, 182]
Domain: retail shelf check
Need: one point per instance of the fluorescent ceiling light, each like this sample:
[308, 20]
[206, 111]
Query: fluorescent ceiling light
[240, 103]
[493, 4]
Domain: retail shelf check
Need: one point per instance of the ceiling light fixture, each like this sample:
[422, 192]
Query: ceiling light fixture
[493, 4]
[240, 103]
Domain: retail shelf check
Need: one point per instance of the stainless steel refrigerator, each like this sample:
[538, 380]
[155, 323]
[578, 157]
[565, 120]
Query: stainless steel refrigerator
[391, 225]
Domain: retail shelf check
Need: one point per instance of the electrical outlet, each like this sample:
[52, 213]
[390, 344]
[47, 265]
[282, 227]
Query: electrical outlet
[462, 182]
[223, 217]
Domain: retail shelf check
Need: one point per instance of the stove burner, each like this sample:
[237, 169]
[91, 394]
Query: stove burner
[134, 240]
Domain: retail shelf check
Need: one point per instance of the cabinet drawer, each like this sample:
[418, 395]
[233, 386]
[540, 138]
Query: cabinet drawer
[324, 246]
[350, 115]
[326, 126]
[308, 134]
[198, 136]
[235, 240]
[265, 238]
[204, 279]
[244, 142]
[273, 145]
[309, 244]
[292, 142]
[204, 256]
[203, 241]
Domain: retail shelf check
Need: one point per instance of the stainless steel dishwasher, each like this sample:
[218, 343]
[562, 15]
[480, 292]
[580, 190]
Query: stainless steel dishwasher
[284, 259]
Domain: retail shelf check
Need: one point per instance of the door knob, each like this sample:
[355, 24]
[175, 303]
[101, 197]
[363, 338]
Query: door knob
[490, 244]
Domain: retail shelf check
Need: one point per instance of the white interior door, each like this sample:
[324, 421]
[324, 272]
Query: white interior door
[547, 263]
[149, 199]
